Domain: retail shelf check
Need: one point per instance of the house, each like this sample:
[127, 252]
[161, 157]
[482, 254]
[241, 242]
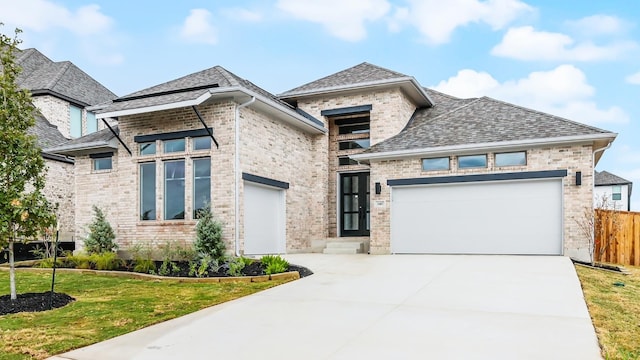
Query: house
[366, 156]
[63, 96]
[615, 191]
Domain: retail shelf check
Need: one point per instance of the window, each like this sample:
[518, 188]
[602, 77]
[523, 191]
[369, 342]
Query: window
[176, 145]
[92, 123]
[148, 148]
[354, 129]
[616, 192]
[472, 161]
[102, 163]
[148, 191]
[433, 164]
[202, 143]
[354, 144]
[511, 159]
[201, 185]
[75, 116]
[174, 190]
[344, 160]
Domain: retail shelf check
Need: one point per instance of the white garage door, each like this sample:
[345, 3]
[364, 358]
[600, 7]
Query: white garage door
[264, 220]
[503, 217]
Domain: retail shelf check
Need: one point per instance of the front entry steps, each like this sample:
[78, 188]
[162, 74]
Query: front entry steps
[344, 245]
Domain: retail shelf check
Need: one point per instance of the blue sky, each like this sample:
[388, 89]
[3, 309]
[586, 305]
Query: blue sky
[577, 59]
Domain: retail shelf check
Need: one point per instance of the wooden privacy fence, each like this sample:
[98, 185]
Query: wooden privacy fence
[617, 237]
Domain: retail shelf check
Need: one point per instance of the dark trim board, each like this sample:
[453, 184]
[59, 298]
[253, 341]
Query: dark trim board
[265, 181]
[101, 155]
[56, 157]
[172, 135]
[351, 110]
[479, 178]
[168, 92]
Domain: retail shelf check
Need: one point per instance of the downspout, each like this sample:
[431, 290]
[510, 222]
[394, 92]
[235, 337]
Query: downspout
[237, 173]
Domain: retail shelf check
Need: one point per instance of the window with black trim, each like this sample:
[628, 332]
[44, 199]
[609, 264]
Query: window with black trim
[174, 190]
[174, 145]
[345, 160]
[518, 158]
[434, 164]
[148, 191]
[354, 144]
[472, 161]
[353, 134]
[201, 143]
[201, 185]
[103, 163]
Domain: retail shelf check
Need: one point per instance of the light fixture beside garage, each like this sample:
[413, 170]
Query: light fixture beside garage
[378, 188]
[578, 178]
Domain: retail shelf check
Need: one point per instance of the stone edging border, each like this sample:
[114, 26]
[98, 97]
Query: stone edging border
[291, 275]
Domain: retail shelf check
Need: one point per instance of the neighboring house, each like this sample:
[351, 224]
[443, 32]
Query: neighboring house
[615, 190]
[366, 154]
[64, 97]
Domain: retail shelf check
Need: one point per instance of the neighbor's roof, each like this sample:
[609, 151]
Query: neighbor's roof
[197, 88]
[363, 75]
[458, 124]
[40, 75]
[607, 178]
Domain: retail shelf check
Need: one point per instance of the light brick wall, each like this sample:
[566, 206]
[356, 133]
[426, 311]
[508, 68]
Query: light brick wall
[576, 198]
[59, 190]
[391, 110]
[272, 149]
[56, 111]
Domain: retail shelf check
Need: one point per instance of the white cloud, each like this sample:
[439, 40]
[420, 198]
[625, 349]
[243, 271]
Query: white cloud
[633, 78]
[563, 91]
[436, 20]
[526, 43]
[198, 28]
[599, 25]
[342, 19]
[242, 14]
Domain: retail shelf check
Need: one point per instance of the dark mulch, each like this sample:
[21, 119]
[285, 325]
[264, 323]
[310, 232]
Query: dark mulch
[31, 302]
[182, 269]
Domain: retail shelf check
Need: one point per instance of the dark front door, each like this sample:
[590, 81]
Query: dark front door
[354, 204]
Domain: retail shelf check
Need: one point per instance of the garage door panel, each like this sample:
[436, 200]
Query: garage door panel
[264, 220]
[512, 217]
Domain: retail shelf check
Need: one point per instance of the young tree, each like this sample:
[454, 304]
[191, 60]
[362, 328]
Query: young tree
[24, 211]
[101, 236]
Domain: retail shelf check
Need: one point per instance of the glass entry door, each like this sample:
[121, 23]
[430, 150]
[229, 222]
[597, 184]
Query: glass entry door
[354, 204]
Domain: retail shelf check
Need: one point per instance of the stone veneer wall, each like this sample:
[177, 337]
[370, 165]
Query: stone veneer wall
[272, 149]
[391, 110]
[576, 198]
[59, 190]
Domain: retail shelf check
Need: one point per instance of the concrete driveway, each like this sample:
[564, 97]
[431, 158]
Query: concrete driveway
[386, 307]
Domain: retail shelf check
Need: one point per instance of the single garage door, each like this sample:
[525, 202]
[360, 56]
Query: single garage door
[264, 219]
[501, 217]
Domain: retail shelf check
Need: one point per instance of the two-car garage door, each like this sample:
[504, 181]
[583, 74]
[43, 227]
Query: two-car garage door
[502, 217]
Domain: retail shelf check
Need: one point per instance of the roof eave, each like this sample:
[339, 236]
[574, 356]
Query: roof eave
[83, 148]
[147, 109]
[494, 146]
[417, 92]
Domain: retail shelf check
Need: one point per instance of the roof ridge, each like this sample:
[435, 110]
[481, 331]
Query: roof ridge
[228, 75]
[65, 67]
[546, 114]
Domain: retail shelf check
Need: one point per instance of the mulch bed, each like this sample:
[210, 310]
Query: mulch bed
[32, 302]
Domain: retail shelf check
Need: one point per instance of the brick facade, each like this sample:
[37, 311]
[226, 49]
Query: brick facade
[58, 191]
[55, 110]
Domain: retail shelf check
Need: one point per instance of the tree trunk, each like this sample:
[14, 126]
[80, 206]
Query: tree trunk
[12, 272]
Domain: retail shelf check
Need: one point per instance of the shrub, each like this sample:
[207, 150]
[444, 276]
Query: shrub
[105, 261]
[235, 266]
[142, 257]
[101, 236]
[274, 264]
[209, 236]
[145, 266]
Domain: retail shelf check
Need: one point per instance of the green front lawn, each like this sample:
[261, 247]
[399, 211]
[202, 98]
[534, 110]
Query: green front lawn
[615, 310]
[105, 307]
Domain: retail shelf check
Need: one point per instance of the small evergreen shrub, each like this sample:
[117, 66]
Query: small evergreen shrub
[209, 236]
[101, 236]
[274, 264]
[235, 266]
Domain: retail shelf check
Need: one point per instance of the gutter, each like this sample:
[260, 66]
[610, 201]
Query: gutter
[238, 173]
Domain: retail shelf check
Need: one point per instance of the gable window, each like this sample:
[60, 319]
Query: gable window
[92, 122]
[616, 192]
[433, 164]
[175, 145]
[201, 185]
[148, 148]
[148, 191]
[174, 186]
[472, 161]
[102, 163]
[201, 143]
[511, 159]
[75, 123]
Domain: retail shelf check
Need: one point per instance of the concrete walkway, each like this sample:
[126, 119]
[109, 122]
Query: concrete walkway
[385, 307]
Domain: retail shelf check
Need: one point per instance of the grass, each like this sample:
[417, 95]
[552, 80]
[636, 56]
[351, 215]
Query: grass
[615, 310]
[105, 307]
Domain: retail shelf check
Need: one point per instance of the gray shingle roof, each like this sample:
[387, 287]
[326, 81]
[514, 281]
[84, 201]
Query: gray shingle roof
[102, 136]
[40, 74]
[607, 178]
[47, 135]
[453, 122]
[361, 73]
[215, 77]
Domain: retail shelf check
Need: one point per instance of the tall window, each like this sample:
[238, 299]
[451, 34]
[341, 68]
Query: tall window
[148, 191]
[201, 185]
[353, 134]
[75, 115]
[174, 190]
[92, 123]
